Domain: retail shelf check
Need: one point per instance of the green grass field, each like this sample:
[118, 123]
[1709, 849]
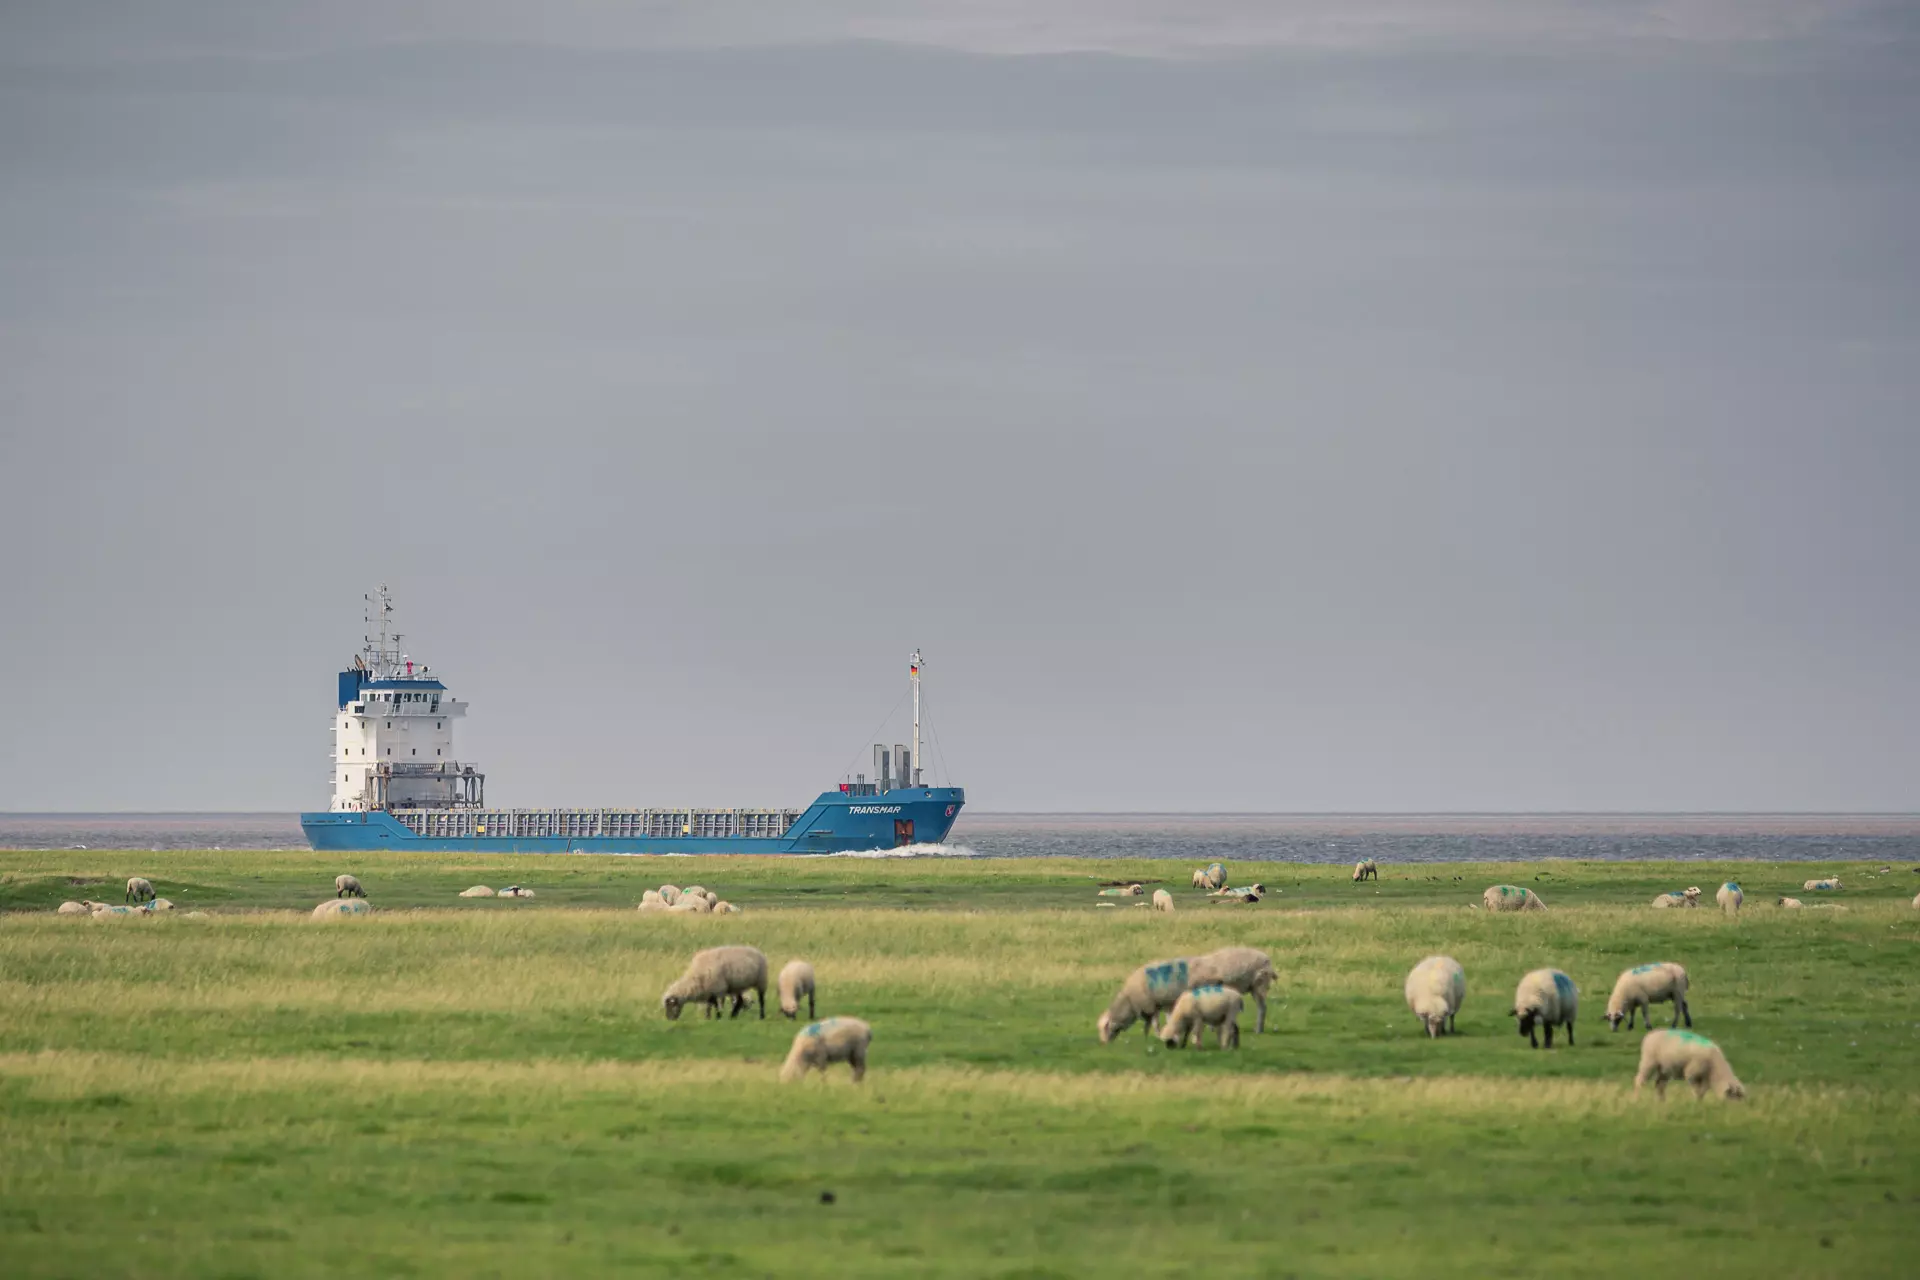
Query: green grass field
[489, 1087]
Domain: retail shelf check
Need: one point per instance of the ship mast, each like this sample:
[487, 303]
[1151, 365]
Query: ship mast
[913, 669]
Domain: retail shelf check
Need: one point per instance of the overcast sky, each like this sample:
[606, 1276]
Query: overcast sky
[1328, 406]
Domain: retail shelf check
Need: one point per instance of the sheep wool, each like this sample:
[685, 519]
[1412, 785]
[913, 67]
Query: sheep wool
[1199, 877]
[1545, 998]
[1246, 969]
[140, 889]
[1509, 897]
[348, 887]
[159, 904]
[796, 980]
[1435, 990]
[724, 908]
[74, 909]
[1729, 897]
[1681, 1055]
[1795, 902]
[715, 974]
[1148, 991]
[1210, 1006]
[1163, 901]
[1366, 869]
[692, 904]
[477, 891]
[669, 894]
[1638, 989]
[1677, 898]
[1830, 882]
[514, 891]
[118, 911]
[819, 1045]
[1916, 901]
[336, 908]
[1123, 891]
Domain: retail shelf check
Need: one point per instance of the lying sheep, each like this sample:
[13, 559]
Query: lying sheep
[348, 887]
[715, 974]
[1545, 998]
[1245, 969]
[1366, 869]
[1210, 1006]
[1795, 902]
[119, 911]
[697, 891]
[692, 904]
[1830, 882]
[1435, 990]
[725, 909]
[1640, 988]
[477, 891]
[515, 891]
[74, 909]
[1677, 898]
[140, 889]
[1729, 897]
[159, 904]
[334, 908]
[819, 1045]
[1243, 891]
[1162, 900]
[1681, 1055]
[1508, 897]
[1123, 891]
[796, 980]
[1149, 991]
[653, 904]
[669, 894]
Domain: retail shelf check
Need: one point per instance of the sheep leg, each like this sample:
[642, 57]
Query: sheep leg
[1688, 1013]
[763, 1004]
[1260, 1022]
[858, 1061]
[809, 1006]
[1549, 1035]
[1233, 1036]
[1569, 1033]
[739, 1003]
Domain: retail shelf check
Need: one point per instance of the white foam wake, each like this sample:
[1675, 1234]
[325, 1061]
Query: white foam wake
[905, 851]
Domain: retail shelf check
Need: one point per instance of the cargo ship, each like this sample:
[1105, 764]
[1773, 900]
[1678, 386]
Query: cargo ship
[397, 784]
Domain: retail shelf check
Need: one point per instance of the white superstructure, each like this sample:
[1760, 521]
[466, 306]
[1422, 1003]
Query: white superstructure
[393, 731]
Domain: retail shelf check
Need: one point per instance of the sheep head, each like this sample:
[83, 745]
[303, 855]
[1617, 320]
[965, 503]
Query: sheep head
[672, 1004]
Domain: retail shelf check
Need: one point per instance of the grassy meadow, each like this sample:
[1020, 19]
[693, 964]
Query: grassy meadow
[488, 1087]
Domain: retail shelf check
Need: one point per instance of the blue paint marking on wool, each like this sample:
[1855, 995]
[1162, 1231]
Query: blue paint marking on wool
[1563, 986]
[1171, 975]
[1211, 989]
[819, 1028]
[1732, 884]
[1647, 968]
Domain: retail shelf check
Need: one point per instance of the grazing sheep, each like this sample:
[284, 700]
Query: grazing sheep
[1200, 878]
[796, 980]
[74, 909]
[713, 975]
[140, 889]
[1210, 1006]
[1507, 897]
[348, 887]
[1788, 902]
[1148, 991]
[334, 908]
[477, 891]
[821, 1044]
[1435, 990]
[1366, 869]
[1681, 1055]
[1830, 882]
[1640, 988]
[1545, 998]
[1215, 876]
[1245, 969]
[1729, 897]
[1162, 900]
[669, 894]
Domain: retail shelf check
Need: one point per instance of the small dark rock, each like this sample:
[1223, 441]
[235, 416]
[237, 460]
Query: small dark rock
[826, 1197]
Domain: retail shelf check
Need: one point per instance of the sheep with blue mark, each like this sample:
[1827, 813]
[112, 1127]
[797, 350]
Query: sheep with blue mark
[1148, 992]
[1638, 989]
[1730, 897]
[1366, 869]
[1247, 970]
[1435, 990]
[1822, 885]
[1162, 900]
[1666, 1055]
[1197, 1009]
[337, 908]
[1688, 897]
[819, 1045]
[716, 974]
[1545, 998]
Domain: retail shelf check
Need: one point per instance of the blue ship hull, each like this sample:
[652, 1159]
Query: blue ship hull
[837, 822]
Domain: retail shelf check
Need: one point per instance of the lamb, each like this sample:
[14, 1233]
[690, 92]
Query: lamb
[796, 980]
[1507, 897]
[348, 887]
[1210, 1006]
[1200, 878]
[713, 975]
[1545, 998]
[334, 908]
[1366, 869]
[1643, 986]
[74, 909]
[477, 891]
[140, 889]
[1148, 991]
[1435, 990]
[1729, 897]
[1163, 901]
[1215, 876]
[1681, 1055]
[821, 1044]
[1245, 969]
[1830, 882]
[1794, 902]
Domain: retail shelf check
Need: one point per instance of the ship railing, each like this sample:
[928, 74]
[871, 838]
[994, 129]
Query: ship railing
[590, 824]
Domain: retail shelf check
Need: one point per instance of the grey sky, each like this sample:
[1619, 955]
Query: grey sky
[1346, 406]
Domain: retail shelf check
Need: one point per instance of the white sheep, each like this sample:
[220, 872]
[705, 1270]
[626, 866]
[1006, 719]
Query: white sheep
[159, 904]
[1200, 878]
[653, 904]
[477, 891]
[725, 908]
[515, 891]
[819, 1045]
[1210, 1006]
[1245, 969]
[652, 895]
[1435, 990]
[1638, 989]
[669, 894]
[715, 974]
[74, 909]
[1123, 891]
[1677, 898]
[1830, 882]
[348, 887]
[1162, 900]
[140, 889]
[697, 891]
[1792, 902]
[1916, 901]
[119, 911]
[692, 904]
[1366, 869]
[1729, 897]
[1214, 877]
[1507, 897]
[1149, 991]
[1545, 998]
[334, 908]
[796, 980]
[1681, 1055]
